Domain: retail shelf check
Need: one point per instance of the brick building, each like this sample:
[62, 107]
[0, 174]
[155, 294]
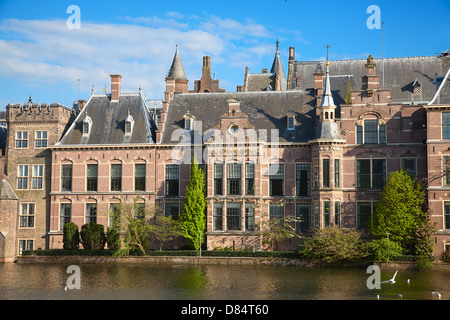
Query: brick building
[318, 144]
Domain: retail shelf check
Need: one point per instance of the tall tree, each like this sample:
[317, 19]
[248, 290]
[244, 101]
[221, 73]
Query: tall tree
[192, 218]
[402, 212]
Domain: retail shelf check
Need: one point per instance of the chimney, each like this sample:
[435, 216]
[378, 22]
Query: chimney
[264, 70]
[81, 104]
[291, 67]
[115, 87]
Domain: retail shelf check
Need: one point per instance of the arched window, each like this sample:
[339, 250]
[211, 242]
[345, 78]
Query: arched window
[371, 130]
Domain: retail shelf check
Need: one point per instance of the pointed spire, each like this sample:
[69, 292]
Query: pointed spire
[327, 97]
[176, 70]
[277, 67]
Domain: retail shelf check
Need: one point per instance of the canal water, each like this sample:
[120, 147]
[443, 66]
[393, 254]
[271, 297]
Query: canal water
[213, 282]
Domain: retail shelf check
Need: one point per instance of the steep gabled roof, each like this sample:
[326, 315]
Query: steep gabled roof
[399, 75]
[266, 110]
[108, 122]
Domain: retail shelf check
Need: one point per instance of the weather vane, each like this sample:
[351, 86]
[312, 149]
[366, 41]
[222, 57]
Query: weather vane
[328, 47]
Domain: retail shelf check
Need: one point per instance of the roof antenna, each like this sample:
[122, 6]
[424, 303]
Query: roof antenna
[328, 47]
[78, 89]
[383, 55]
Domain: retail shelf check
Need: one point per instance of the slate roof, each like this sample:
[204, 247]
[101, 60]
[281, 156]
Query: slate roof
[399, 75]
[176, 71]
[265, 110]
[108, 122]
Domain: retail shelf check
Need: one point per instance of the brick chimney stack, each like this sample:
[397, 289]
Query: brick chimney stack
[115, 87]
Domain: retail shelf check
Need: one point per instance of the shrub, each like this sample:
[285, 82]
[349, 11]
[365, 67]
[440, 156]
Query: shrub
[334, 244]
[93, 236]
[113, 238]
[71, 237]
[385, 250]
[446, 256]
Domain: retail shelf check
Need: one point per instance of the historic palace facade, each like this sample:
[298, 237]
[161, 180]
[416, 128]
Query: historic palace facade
[317, 144]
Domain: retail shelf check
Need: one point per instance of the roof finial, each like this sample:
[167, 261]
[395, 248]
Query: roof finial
[278, 42]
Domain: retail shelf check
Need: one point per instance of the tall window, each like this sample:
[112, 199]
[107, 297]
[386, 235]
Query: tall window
[65, 213]
[66, 177]
[326, 173]
[276, 213]
[447, 215]
[172, 210]
[22, 177]
[139, 177]
[37, 177]
[40, 139]
[27, 215]
[302, 179]
[139, 210]
[218, 179]
[249, 178]
[409, 165]
[276, 176]
[172, 179]
[25, 245]
[233, 178]
[445, 125]
[371, 173]
[316, 215]
[91, 177]
[21, 139]
[446, 170]
[337, 213]
[337, 173]
[217, 216]
[233, 216]
[91, 212]
[249, 216]
[371, 133]
[364, 211]
[316, 173]
[303, 216]
[116, 177]
[326, 213]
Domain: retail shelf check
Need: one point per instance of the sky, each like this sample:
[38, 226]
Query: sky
[57, 55]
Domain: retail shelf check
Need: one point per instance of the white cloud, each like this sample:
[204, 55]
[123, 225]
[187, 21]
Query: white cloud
[46, 52]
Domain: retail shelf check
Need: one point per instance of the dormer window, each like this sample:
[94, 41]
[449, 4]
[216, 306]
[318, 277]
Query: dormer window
[188, 121]
[129, 124]
[290, 120]
[416, 87]
[87, 124]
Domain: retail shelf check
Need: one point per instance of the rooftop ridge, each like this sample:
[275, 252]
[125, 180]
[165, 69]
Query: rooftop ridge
[363, 59]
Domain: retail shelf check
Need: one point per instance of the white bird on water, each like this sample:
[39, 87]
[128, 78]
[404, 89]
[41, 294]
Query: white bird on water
[391, 281]
[437, 294]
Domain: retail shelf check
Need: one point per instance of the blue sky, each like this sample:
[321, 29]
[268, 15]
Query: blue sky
[40, 56]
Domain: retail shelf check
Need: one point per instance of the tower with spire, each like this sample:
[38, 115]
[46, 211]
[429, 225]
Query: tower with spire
[176, 80]
[327, 155]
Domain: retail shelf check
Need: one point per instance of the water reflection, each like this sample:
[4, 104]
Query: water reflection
[219, 282]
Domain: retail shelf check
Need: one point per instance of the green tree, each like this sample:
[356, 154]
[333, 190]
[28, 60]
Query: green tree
[93, 236]
[402, 212]
[164, 229]
[71, 237]
[274, 231]
[192, 218]
[130, 222]
[333, 244]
